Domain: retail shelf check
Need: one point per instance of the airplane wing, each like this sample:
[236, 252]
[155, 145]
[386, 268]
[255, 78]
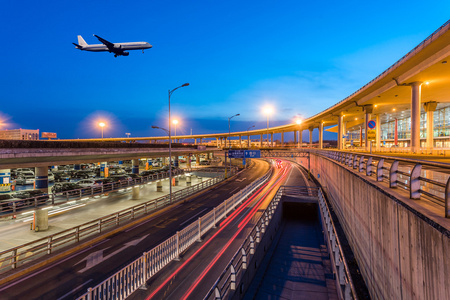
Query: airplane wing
[106, 43]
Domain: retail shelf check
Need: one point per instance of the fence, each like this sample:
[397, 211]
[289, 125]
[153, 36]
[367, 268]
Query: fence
[17, 256]
[408, 176]
[124, 282]
[12, 207]
[229, 280]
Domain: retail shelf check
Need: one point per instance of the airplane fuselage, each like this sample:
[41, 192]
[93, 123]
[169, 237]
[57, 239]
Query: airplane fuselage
[121, 46]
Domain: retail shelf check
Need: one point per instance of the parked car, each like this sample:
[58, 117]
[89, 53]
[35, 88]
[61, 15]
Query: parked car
[205, 163]
[51, 177]
[83, 174]
[25, 178]
[66, 186]
[147, 172]
[116, 170]
[7, 202]
[122, 178]
[90, 182]
[61, 175]
[40, 196]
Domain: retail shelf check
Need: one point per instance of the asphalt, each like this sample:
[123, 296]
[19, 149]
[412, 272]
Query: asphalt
[71, 276]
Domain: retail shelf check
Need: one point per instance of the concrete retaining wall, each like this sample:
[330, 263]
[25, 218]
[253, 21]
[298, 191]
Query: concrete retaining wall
[402, 253]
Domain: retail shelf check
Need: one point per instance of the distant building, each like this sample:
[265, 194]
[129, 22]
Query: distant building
[19, 134]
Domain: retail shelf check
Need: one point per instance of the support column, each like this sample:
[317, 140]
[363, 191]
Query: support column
[240, 141]
[197, 160]
[321, 135]
[102, 168]
[41, 178]
[300, 138]
[295, 138]
[188, 160]
[339, 141]
[217, 142]
[188, 181]
[416, 95]
[135, 166]
[159, 186]
[368, 111]
[378, 133]
[282, 139]
[271, 139]
[248, 142]
[261, 141]
[136, 190]
[176, 181]
[201, 141]
[41, 219]
[430, 108]
[5, 181]
[310, 136]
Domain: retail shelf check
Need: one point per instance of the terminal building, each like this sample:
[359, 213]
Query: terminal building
[19, 134]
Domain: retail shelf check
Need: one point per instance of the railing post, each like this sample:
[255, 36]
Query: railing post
[361, 164]
[393, 174]
[369, 167]
[199, 239]
[258, 235]
[89, 294]
[350, 161]
[447, 199]
[77, 234]
[252, 245]
[244, 259]
[49, 245]
[354, 162]
[14, 259]
[214, 217]
[178, 246]
[217, 295]
[380, 170]
[232, 278]
[414, 182]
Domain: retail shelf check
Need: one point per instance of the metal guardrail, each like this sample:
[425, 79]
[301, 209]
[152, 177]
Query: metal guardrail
[340, 267]
[228, 281]
[20, 255]
[13, 207]
[127, 280]
[392, 174]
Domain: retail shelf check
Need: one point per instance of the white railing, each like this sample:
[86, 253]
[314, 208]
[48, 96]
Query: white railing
[23, 254]
[229, 281]
[124, 282]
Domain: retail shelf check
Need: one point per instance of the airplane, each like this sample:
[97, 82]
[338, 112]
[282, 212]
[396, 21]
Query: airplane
[116, 48]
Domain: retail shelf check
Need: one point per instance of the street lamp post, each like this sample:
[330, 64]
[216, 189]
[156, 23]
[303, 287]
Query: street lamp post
[101, 124]
[170, 143]
[228, 142]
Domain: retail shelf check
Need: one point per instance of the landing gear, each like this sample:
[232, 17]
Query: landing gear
[115, 55]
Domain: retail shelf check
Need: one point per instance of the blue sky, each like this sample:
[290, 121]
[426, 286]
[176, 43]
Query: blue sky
[301, 57]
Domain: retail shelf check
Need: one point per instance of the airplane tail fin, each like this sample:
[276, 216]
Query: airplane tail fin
[81, 41]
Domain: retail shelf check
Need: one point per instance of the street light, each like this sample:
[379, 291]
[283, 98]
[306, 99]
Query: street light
[101, 124]
[170, 143]
[268, 111]
[175, 122]
[228, 142]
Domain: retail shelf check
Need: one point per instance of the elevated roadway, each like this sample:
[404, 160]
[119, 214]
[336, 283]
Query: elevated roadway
[73, 275]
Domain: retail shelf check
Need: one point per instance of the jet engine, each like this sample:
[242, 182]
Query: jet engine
[125, 53]
[117, 46]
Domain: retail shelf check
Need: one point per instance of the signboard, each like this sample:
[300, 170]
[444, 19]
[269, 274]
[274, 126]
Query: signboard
[371, 124]
[49, 135]
[236, 153]
[252, 154]
[371, 135]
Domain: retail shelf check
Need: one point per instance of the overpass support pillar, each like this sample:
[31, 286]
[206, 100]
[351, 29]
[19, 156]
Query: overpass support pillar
[188, 160]
[200, 141]
[339, 141]
[300, 138]
[77, 167]
[41, 178]
[217, 142]
[188, 181]
[176, 181]
[321, 135]
[240, 141]
[310, 136]
[5, 181]
[282, 139]
[261, 141]
[416, 95]
[248, 142]
[41, 219]
[159, 186]
[271, 139]
[295, 138]
[368, 111]
[135, 166]
[195, 141]
[197, 160]
[378, 133]
[136, 190]
[430, 108]
[102, 168]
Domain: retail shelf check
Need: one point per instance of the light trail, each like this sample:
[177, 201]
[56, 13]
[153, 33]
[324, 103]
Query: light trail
[222, 227]
[247, 219]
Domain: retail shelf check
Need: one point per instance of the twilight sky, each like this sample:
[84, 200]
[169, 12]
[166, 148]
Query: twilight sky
[301, 57]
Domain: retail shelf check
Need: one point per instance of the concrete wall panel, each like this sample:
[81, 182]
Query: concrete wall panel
[402, 254]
